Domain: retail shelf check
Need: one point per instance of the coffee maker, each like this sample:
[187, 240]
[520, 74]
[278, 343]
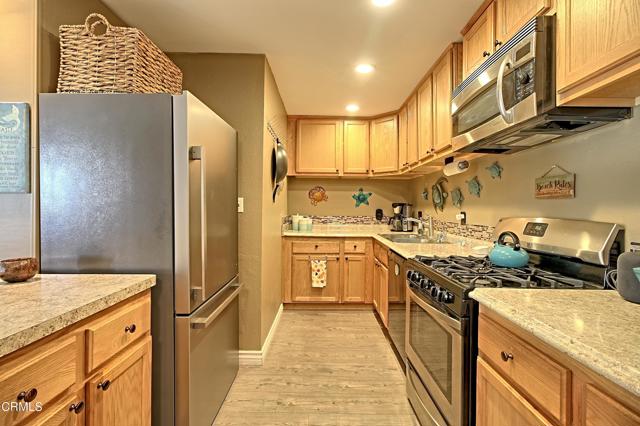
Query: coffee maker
[399, 222]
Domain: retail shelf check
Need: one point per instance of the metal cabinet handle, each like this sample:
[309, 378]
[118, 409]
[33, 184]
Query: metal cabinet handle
[485, 54]
[346, 259]
[506, 115]
[77, 407]
[104, 385]
[497, 43]
[506, 356]
[28, 396]
[130, 329]
[317, 247]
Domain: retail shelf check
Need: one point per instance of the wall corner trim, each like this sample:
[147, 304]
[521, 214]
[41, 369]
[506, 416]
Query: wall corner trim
[255, 358]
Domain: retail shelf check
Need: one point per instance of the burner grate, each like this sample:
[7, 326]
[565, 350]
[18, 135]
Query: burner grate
[479, 272]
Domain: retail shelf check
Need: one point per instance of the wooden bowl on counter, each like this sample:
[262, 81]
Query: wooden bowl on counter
[18, 270]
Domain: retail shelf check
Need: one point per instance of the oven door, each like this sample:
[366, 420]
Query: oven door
[434, 349]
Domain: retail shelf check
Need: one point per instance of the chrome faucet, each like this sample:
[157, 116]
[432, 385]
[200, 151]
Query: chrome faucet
[421, 223]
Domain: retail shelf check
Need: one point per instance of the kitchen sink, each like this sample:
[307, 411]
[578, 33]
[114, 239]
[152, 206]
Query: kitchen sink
[412, 239]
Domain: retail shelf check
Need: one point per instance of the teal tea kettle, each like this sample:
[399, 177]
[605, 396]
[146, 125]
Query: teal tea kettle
[508, 256]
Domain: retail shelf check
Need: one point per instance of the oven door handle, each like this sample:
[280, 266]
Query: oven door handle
[506, 115]
[437, 315]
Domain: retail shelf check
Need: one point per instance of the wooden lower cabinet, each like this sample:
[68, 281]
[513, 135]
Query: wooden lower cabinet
[121, 395]
[54, 370]
[355, 278]
[70, 411]
[302, 291]
[499, 404]
[523, 381]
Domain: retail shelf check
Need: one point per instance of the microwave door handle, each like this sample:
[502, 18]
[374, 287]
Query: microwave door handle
[506, 115]
[197, 153]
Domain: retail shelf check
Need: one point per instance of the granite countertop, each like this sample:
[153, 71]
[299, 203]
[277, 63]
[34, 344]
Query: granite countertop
[597, 328]
[48, 303]
[460, 246]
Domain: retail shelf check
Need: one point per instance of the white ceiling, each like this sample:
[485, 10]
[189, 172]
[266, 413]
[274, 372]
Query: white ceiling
[313, 45]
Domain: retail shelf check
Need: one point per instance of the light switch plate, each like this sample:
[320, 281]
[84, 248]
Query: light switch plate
[240, 204]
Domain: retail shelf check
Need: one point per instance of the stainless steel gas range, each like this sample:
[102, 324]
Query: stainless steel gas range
[441, 330]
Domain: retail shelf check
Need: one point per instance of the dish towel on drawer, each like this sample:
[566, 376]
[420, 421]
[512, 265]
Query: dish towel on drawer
[318, 273]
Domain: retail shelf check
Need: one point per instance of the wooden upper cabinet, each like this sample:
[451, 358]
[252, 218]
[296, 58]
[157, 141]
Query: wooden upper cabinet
[511, 15]
[412, 130]
[442, 88]
[356, 147]
[598, 52]
[425, 118]
[478, 41]
[402, 137]
[319, 146]
[384, 144]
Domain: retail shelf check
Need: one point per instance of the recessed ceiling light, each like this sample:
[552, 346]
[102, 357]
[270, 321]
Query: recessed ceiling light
[365, 68]
[382, 3]
[353, 108]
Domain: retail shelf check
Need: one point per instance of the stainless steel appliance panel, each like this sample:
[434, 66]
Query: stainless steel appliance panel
[397, 303]
[206, 193]
[106, 202]
[434, 349]
[207, 357]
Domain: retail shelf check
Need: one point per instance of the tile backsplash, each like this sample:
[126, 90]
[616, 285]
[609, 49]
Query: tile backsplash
[479, 232]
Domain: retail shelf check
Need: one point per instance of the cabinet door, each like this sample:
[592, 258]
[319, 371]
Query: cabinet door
[594, 407]
[376, 285]
[594, 36]
[70, 411]
[384, 145]
[412, 130]
[402, 137]
[442, 88]
[425, 118]
[354, 278]
[498, 404]
[319, 146]
[396, 282]
[356, 147]
[383, 302]
[301, 288]
[478, 42]
[511, 15]
[121, 395]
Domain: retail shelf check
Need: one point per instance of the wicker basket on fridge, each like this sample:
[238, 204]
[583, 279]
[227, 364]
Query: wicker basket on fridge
[121, 60]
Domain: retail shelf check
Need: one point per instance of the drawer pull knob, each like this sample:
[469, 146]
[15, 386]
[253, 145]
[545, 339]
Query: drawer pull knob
[28, 396]
[130, 328]
[506, 356]
[316, 247]
[104, 385]
[485, 54]
[77, 407]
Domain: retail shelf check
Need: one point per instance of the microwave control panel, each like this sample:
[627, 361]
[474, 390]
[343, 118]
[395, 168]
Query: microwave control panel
[524, 80]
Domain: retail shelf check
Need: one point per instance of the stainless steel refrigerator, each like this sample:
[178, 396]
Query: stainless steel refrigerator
[133, 183]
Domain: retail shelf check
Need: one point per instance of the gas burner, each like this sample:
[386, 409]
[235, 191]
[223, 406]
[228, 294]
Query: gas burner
[479, 272]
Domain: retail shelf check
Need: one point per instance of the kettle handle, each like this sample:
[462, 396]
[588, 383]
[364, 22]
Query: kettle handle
[514, 237]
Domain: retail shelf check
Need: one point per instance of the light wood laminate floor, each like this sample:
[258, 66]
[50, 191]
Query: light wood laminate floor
[323, 368]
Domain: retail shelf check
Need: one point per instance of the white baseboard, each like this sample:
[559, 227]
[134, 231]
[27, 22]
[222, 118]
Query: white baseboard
[254, 358]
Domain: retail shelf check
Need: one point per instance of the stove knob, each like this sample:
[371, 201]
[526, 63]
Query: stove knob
[409, 274]
[424, 283]
[445, 297]
[434, 291]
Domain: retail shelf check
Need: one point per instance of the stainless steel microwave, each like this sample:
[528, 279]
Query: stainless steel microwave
[509, 103]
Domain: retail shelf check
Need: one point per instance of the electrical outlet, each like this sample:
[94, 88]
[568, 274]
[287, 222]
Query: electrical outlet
[462, 217]
[635, 247]
[240, 204]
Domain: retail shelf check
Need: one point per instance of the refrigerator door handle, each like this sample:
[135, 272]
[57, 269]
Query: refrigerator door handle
[220, 306]
[197, 153]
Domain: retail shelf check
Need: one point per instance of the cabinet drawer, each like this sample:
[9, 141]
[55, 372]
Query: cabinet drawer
[315, 247]
[381, 253]
[541, 379]
[114, 331]
[39, 376]
[67, 412]
[355, 246]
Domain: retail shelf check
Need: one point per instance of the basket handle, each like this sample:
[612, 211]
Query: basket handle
[90, 28]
